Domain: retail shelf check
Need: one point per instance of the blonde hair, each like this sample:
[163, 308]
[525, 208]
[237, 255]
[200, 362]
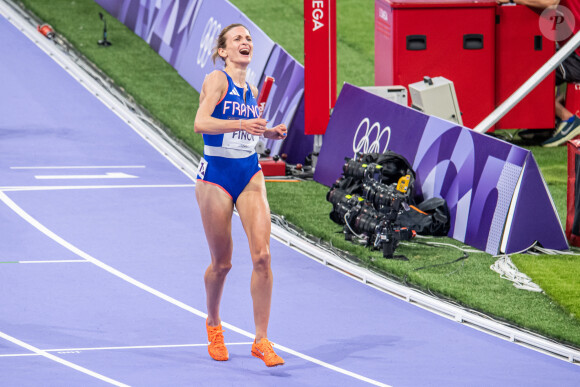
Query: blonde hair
[221, 41]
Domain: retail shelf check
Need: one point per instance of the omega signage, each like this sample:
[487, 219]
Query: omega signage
[319, 64]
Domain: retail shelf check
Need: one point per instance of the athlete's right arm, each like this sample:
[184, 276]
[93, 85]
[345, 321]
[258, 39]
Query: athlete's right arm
[214, 88]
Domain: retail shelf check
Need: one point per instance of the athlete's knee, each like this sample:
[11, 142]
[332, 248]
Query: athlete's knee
[221, 268]
[262, 260]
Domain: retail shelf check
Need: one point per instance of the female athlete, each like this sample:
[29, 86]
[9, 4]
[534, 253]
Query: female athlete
[229, 174]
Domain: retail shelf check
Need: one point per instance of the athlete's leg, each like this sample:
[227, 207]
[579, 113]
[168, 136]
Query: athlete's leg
[216, 209]
[562, 112]
[252, 205]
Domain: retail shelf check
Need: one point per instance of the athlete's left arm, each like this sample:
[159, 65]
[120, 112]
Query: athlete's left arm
[278, 132]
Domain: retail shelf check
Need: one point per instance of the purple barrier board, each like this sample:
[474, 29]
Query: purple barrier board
[494, 189]
[164, 25]
[111, 6]
[194, 62]
[285, 98]
[298, 145]
[184, 32]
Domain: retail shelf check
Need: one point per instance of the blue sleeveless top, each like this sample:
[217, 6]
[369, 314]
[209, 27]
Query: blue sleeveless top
[237, 144]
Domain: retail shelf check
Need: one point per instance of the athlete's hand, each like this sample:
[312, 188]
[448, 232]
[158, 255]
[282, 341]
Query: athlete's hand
[276, 133]
[255, 126]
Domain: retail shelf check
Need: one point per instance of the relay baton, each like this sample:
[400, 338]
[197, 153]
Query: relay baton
[263, 95]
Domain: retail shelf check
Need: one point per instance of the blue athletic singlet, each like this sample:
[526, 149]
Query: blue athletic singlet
[229, 159]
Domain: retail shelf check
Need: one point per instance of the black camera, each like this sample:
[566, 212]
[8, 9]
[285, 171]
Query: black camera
[380, 195]
[388, 237]
[342, 204]
[354, 168]
[370, 216]
[367, 220]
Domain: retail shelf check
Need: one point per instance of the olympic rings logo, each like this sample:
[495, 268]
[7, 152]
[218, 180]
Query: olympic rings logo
[208, 38]
[363, 144]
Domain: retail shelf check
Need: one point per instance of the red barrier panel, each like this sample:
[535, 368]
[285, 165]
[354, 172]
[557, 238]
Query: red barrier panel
[454, 39]
[521, 49]
[319, 64]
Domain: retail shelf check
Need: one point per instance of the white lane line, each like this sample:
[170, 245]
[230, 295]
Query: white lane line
[65, 187]
[59, 360]
[58, 261]
[78, 350]
[108, 175]
[14, 207]
[85, 167]
[51, 261]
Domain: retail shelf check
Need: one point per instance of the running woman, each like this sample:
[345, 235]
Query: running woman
[229, 174]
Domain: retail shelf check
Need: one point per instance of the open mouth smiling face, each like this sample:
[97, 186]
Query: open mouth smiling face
[244, 47]
[241, 43]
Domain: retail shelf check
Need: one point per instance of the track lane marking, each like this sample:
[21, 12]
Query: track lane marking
[75, 350]
[57, 359]
[108, 175]
[39, 226]
[84, 167]
[66, 187]
[51, 261]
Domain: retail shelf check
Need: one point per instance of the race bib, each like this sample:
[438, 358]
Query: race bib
[240, 140]
[201, 168]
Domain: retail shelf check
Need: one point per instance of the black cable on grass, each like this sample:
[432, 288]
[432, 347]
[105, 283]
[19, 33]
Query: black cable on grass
[462, 258]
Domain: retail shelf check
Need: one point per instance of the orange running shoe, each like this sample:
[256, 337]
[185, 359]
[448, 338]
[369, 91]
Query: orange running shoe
[216, 347]
[263, 350]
